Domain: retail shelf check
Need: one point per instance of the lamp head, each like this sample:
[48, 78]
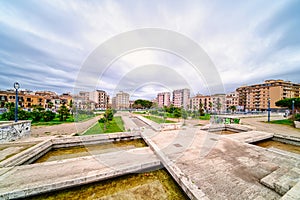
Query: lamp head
[16, 85]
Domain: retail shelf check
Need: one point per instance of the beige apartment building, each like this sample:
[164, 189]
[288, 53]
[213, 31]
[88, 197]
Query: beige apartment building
[256, 97]
[100, 97]
[121, 101]
[232, 99]
[163, 99]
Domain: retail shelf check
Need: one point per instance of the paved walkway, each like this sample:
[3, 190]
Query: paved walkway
[62, 129]
[259, 123]
[220, 167]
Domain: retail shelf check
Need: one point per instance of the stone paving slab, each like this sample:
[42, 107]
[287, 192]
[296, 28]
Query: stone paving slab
[221, 167]
[250, 136]
[32, 179]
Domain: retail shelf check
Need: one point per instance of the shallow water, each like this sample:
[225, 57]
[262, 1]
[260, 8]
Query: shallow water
[88, 150]
[9, 150]
[155, 185]
[278, 145]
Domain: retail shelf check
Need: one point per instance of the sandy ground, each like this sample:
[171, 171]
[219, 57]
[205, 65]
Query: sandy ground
[260, 125]
[62, 129]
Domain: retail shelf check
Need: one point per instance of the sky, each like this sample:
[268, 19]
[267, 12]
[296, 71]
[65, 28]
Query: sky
[62, 45]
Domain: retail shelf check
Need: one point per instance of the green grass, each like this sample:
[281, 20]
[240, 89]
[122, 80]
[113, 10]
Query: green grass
[205, 117]
[116, 125]
[159, 120]
[138, 112]
[283, 122]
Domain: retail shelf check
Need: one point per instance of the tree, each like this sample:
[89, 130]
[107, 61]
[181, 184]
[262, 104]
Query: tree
[63, 112]
[177, 113]
[140, 103]
[232, 108]
[48, 116]
[184, 114]
[201, 111]
[210, 105]
[9, 105]
[287, 103]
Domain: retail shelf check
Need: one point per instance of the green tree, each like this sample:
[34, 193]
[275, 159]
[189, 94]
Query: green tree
[184, 115]
[201, 110]
[63, 112]
[232, 108]
[141, 103]
[48, 116]
[287, 103]
[177, 113]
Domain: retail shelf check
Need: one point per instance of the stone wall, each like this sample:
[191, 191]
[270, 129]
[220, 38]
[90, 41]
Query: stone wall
[11, 131]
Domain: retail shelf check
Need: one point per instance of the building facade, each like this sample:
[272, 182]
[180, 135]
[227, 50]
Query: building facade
[121, 101]
[232, 99]
[181, 98]
[163, 99]
[100, 98]
[256, 97]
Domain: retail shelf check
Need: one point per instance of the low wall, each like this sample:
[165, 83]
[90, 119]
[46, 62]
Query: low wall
[11, 131]
[216, 119]
[191, 190]
[38, 150]
[297, 124]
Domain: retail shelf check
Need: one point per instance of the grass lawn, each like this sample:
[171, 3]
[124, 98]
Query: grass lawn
[283, 122]
[205, 117]
[116, 125]
[159, 120]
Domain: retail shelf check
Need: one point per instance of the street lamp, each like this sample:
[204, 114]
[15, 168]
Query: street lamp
[293, 106]
[16, 86]
[269, 109]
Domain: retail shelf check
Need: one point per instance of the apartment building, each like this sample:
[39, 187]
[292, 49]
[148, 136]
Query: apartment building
[163, 99]
[100, 98]
[181, 98]
[201, 100]
[25, 100]
[210, 103]
[256, 97]
[232, 99]
[121, 101]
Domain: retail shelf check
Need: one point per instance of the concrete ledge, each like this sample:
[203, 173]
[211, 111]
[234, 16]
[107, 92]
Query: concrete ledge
[74, 172]
[192, 191]
[27, 155]
[38, 150]
[293, 193]
[297, 124]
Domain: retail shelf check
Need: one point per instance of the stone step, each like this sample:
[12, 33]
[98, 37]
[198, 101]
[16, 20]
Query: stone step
[282, 179]
[287, 181]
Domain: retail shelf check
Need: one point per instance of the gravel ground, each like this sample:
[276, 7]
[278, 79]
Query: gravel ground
[62, 129]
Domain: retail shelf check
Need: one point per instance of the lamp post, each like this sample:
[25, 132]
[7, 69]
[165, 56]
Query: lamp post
[16, 86]
[269, 109]
[293, 106]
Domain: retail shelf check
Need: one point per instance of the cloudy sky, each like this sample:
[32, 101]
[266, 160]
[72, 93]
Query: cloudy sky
[47, 45]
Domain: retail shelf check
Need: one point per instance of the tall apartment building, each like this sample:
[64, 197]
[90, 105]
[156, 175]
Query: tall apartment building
[121, 101]
[163, 99]
[181, 98]
[232, 99]
[255, 97]
[100, 97]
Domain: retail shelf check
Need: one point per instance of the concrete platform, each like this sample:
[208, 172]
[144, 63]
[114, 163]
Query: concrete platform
[221, 167]
[250, 136]
[23, 181]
